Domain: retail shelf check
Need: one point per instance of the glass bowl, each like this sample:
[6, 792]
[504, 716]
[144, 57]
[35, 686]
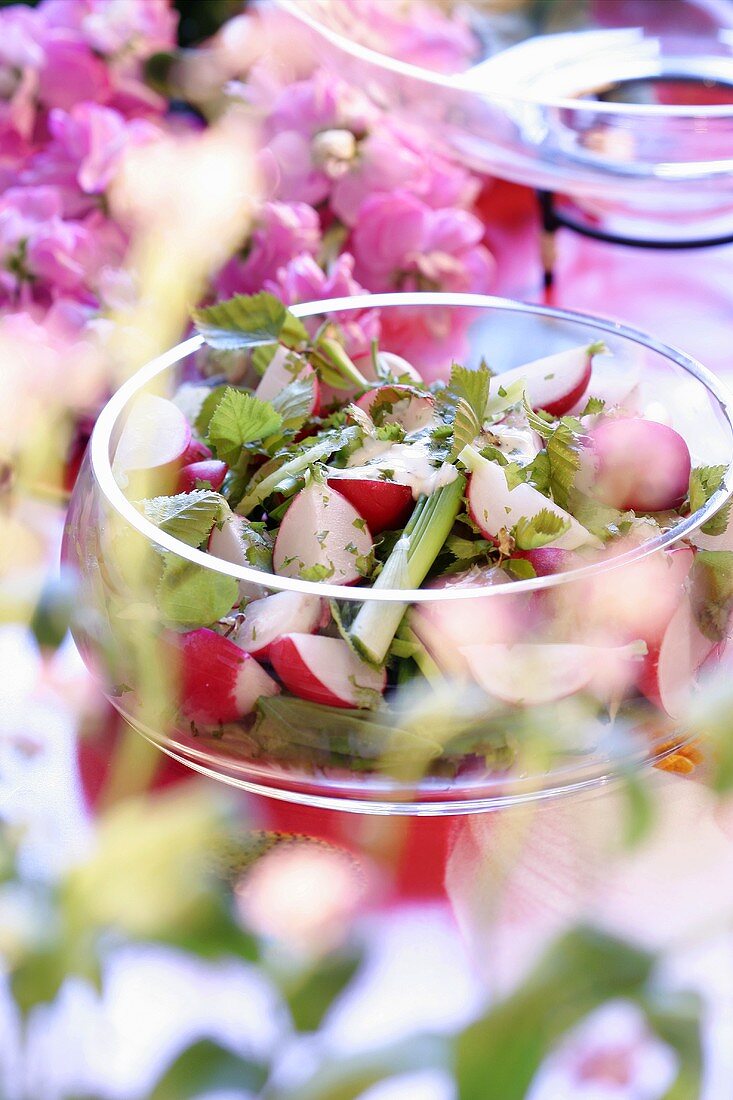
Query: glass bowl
[448, 744]
[626, 107]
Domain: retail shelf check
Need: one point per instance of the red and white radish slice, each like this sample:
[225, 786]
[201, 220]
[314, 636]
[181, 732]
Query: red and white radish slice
[219, 681]
[196, 451]
[210, 472]
[325, 670]
[321, 529]
[268, 619]
[394, 364]
[384, 505]
[530, 675]
[493, 506]
[554, 383]
[669, 672]
[398, 405]
[155, 436]
[546, 560]
[285, 367]
[640, 464]
[230, 542]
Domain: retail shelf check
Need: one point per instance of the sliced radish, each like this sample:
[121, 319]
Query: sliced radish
[670, 669]
[384, 505]
[398, 405]
[195, 474]
[640, 464]
[321, 537]
[220, 682]
[546, 560]
[196, 451]
[554, 383]
[529, 675]
[325, 670]
[231, 542]
[155, 436]
[268, 619]
[285, 367]
[493, 506]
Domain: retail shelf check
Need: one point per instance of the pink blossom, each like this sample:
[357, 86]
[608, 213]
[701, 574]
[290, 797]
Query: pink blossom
[301, 113]
[71, 72]
[283, 230]
[302, 280]
[113, 26]
[94, 138]
[400, 243]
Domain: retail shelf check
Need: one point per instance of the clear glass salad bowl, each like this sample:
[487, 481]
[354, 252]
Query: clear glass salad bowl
[505, 705]
[626, 107]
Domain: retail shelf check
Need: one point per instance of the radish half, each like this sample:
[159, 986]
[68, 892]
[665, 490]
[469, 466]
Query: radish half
[554, 383]
[196, 451]
[640, 464]
[493, 506]
[669, 671]
[155, 436]
[268, 619]
[321, 537]
[208, 471]
[230, 542]
[385, 505]
[529, 675]
[325, 670]
[391, 363]
[398, 405]
[220, 682]
[280, 373]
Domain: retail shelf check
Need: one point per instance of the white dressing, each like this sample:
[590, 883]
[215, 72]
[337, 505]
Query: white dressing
[410, 463]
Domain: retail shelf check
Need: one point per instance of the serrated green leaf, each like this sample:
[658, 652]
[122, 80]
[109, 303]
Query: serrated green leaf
[468, 550]
[593, 406]
[208, 408]
[466, 426]
[190, 595]
[248, 321]
[188, 517]
[545, 527]
[704, 481]
[240, 418]
[563, 453]
[471, 387]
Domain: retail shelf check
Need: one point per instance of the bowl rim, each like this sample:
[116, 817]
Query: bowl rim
[101, 466]
[457, 81]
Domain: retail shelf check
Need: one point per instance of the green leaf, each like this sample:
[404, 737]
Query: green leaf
[248, 321]
[676, 1019]
[206, 1067]
[471, 387]
[601, 520]
[466, 426]
[563, 453]
[294, 403]
[545, 527]
[349, 1077]
[188, 517]
[208, 408]
[704, 481]
[506, 1046]
[466, 551]
[241, 418]
[191, 596]
[593, 406]
[712, 591]
[311, 993]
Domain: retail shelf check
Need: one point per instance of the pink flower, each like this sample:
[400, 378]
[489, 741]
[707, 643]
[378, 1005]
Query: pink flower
[301, 114]
[284, 230]
[400, 243]
[302, 280]
[114, 26]
[71, 72]
[94, 138]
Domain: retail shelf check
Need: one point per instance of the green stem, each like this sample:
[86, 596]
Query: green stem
[407, 566]
[342, 363]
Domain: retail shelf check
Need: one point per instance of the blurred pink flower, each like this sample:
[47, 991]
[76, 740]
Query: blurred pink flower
[301, 117]
[93, 139]
[283, 230]
[71, 72]
[113, 26]
[302, 280]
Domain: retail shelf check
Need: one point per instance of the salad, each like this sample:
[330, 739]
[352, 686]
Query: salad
[296, 460]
